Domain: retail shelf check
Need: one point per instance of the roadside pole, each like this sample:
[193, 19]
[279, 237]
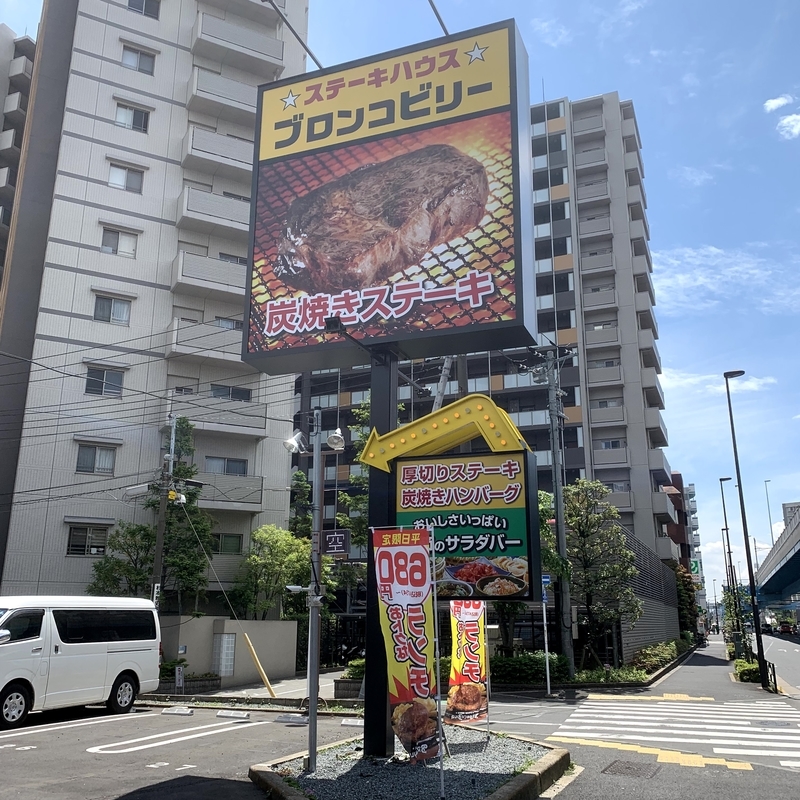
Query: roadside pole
[161, 525]
[545, 584]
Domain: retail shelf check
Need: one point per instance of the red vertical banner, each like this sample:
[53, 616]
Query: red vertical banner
[467, 698]
[403, 572]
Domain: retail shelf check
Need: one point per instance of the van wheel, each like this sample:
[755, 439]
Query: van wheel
[15, 702]
[123, 694]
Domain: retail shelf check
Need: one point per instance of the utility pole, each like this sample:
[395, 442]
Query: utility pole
[442, 385]
[161, 526]
[565, 603]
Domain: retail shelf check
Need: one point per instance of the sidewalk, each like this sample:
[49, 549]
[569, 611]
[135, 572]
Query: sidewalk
[288, 689]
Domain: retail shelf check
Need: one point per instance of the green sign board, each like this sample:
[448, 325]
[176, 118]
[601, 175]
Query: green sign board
[695, 566]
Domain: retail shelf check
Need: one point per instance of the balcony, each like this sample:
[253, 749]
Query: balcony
[217, 154]
[203, 342]
[636, 195]
[211, 94]
[693, 523]
[544, 458]
[587, 124]
[607, 297]
[231, 492]
[15, 108]
[208, 277]
[653, 393]
[659, 467]
[654, 423]
[667, 550]
[596, 155]
[610, 458]
[599, 263]
[218, 415]
[602, 336]
[20, 73]
[213, 213]
[244, 48]
[590, 191]
[644, 283]
[622, 500]
[692, 506]
[663, 509]
[5, 222]
[644, 307]
[526, 419]
[604, 416]
[629, 129]
[8, 185]
[634, 161]
[594, 227]
[10, 145]
[604, 375]
[647, 345]
[254, 10]
[639, 230]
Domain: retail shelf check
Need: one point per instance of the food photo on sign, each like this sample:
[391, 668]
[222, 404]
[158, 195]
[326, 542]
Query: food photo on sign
[386, 193]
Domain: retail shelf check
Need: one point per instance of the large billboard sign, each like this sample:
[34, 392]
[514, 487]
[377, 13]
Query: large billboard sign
[395, 193]
[478, 508]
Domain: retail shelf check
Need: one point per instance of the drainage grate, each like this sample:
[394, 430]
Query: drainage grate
[631, 769]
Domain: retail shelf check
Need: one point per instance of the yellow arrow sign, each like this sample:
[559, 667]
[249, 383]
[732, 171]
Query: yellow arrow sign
[460, 422]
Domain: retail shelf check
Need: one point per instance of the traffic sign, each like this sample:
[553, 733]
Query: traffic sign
[545, 579]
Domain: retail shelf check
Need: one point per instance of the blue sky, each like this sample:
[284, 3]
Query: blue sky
[716, 88]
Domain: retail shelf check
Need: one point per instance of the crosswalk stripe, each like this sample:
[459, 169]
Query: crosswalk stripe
[641, 725]
[686, 730]
[740, 752]
[622, 718]
[684, 739]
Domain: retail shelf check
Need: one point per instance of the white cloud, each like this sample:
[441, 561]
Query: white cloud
[551, 31]
[789, 127]
[692, 279]
[692, 176]
[621, 15]
[775, 103]
[712, 384]
[690, 80]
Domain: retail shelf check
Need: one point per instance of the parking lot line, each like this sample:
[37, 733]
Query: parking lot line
[219, 727]
[61, 726]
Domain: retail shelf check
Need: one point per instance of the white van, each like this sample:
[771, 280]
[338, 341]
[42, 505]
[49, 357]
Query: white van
[73, 651]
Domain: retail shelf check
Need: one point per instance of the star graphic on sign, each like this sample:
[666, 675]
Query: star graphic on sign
[290, 100]
[476, 54]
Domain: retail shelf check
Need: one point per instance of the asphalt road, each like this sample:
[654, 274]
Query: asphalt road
[784, 652]
[90, 754]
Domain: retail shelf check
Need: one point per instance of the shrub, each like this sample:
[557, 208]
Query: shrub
[166, 672]
[528, 668]
[621, 675]
[746, 671]
[354, 670]
[655, 656]
[731, 651]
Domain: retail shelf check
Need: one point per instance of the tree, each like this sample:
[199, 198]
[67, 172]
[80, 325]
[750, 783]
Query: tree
[687, 603]
[126, 568]
[277, 559]
[602, 565]
[300, 520]
[356, 501]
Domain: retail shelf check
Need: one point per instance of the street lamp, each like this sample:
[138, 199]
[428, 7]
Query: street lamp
[297, 444]
[762, 664]
[737, 617]
[716, 607]
[769, 513]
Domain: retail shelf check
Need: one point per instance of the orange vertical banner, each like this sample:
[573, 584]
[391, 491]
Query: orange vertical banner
[467, 699]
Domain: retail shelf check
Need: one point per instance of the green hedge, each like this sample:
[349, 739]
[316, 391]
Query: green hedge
[601, 675]
[652, 658]
[354, 669]
[731, 651]
[746, 671]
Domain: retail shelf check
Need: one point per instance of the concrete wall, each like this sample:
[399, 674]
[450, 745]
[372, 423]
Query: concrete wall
[275, 644]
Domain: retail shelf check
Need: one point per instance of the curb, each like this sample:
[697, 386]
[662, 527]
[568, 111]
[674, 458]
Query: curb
[527, 785]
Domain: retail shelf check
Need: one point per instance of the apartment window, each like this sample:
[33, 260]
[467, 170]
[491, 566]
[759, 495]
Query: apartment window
[231, 392]
[136, 119]
[112, 309]
[150, 8]
[229, 544]
[603, 363]
[125, 178]
[138, 60]
[234, 196]
[611, 444]
[226, 466]
[601, 326]
[229, 324]
[86, 541]
[232, 259]
[618, 486]
[611, 402]
[104, 381]
[606, 287]
[94, 459]
[180, 390]
[118, 243]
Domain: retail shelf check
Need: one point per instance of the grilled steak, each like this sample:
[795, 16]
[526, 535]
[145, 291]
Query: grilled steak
[361, 228]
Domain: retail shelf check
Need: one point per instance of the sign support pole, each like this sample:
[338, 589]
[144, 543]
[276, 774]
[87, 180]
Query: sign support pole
[546, 648]
[378, 733]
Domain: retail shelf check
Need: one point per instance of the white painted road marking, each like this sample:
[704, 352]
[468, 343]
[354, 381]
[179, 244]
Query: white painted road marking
[790, 763]
[61, 726]
[186, 766]
[219, 727]
[158, 765]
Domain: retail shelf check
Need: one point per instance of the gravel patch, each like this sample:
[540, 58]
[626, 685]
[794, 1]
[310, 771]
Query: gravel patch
[475, 768]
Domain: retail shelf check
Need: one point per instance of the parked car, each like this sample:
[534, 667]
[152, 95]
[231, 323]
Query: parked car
[766, 627]
[786, 627]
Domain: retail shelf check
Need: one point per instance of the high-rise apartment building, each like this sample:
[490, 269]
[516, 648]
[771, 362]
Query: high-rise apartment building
[125, 280]
[595, 295]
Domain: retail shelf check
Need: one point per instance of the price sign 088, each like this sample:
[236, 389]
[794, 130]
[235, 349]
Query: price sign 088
[402, 564]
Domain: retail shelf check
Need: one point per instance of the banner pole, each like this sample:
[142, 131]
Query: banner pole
[437, 655]
[546, 652]
[488, 676]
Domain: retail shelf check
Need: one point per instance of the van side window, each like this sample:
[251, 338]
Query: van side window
[25, 624]
[82, 626]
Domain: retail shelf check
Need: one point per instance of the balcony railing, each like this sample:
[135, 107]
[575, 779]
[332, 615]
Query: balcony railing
[599, 416]
[202, 276]
[231, 492]
[212, 94]
[244, 48]
[653, 392]
[218, 415]
[595, 156]
[15, 108]
[607, 297]
[588, 124]
[604, 375]
[603, 262]
[663, 508]
[213, 213]
[659, 466]
[253, 10]
[654, 423]
[217, 154]
[614, 457]
[587, 192]
[203, 341]
[20, 73]
[598, 336]
[10, 145]
[650, 355]
[8, 184]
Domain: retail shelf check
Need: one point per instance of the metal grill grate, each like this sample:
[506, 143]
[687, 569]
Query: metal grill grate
[631, 769]
[488, 248]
